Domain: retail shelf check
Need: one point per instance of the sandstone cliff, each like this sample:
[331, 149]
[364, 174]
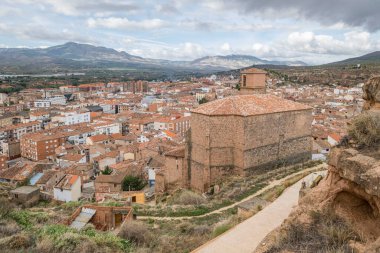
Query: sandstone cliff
[371, 94]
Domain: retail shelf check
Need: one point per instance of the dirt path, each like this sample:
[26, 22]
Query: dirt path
[246, 236]
[271, 185]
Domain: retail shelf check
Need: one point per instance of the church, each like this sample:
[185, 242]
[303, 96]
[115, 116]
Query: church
[241, 134]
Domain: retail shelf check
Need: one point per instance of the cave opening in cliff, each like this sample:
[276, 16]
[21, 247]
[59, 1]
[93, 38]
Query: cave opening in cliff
[347, 203]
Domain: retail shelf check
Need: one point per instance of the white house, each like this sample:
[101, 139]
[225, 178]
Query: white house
[48, 102]
[333, 139]
[73, 117]
[3, 98]
[142, 138]
[68, 188]
[106, 127]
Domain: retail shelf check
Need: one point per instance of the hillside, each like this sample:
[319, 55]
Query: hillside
[371, 58]
[239, 61]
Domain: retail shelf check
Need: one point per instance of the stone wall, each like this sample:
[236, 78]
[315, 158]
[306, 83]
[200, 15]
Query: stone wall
[235, 145]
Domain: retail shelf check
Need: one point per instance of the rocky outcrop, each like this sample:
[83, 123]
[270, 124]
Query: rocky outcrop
[371, 94]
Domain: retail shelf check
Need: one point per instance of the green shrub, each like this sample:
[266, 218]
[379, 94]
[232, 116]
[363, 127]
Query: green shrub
[131, 183]
[62, 238]
[107, 171]
[221, 229]
[23, 218]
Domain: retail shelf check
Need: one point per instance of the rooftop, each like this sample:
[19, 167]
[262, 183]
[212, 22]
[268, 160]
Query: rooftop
[253, 71]
[25, 190]
[249, 105]
[67, 182]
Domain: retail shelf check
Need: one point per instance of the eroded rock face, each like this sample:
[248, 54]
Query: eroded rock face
[372, 94]
[352, 190]
[362, 169]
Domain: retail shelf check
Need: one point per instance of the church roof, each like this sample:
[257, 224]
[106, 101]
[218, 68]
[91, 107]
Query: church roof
[253, 71]
[249, 105]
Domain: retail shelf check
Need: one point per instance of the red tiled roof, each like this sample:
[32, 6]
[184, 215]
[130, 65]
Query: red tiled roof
[335, 136]
[99, 137]
[169, 133]
[249, 105]
[253, 71]
[73, 157]
[67, 182]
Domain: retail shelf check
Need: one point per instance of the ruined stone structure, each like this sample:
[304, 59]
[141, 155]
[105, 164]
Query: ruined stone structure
[252, 81]
[106, 217]
[241, 134]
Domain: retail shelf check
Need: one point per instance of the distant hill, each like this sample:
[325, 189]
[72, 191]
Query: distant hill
[73, 56]
[240, 61]
[371, 58]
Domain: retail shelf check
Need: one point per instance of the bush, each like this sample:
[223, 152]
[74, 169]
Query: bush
[136, 232]
[62, 238]
[365, 129]
[6, 207]
[132, 183]
[23, 218]
[8, 229]
[221, 229]
[200, 230]
[187, 198]
[107, 171]
[16, 242]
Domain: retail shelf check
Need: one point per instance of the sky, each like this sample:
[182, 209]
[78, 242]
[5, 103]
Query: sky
[314, 31]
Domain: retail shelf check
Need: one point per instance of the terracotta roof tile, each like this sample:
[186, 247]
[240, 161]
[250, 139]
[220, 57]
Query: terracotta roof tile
[249, 105]
[253, 71]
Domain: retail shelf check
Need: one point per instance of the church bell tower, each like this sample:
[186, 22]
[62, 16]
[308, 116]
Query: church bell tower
[252, 81]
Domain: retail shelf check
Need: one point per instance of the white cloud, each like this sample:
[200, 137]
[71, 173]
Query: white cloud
[261, 49]
[226, 47]
[353, 42]
[124, 23]
[157, 50]
[82, 7]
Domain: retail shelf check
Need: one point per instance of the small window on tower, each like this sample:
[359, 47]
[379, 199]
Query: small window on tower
[244, 81]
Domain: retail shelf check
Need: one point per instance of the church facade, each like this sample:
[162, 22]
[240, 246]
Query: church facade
[241, 134]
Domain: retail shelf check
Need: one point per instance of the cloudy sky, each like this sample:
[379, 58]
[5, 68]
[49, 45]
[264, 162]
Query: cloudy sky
[315, 31]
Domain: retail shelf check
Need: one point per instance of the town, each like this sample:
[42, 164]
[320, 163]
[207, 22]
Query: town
[137, 143]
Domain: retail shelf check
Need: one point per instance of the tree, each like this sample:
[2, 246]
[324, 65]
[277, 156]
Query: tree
[203, 100]
[132, 183]
[107, 171]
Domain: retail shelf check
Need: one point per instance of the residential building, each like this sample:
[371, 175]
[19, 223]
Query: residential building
[68, 188]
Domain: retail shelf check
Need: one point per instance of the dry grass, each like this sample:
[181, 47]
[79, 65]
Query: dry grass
[186, 197]
[274, 192]
[365, 129]
[326, 233]
[136, 232]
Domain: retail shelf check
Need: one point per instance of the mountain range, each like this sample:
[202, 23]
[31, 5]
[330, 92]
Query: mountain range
[83, 57]
[74, 56]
